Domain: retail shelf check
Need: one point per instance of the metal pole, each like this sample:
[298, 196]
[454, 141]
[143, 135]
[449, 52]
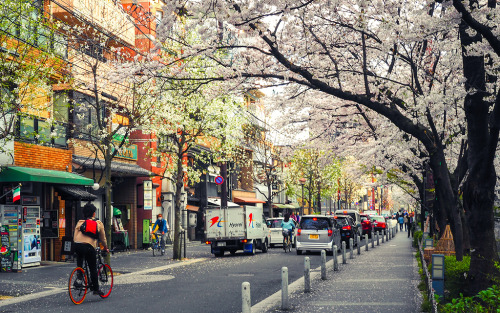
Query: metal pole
[246, 303]
[366, 242]
[378, 239]
[302, 206]
[323, 264]
[284, 288]
[351, 246]
[184, 243]
[344, 261]
[307, 274]
[373, 240]
[383, 236]
[359, 245]
[335, 258]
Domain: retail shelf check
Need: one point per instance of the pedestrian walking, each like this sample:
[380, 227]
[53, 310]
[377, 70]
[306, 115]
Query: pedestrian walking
[405, 220]
[401, 221]
[410, 226]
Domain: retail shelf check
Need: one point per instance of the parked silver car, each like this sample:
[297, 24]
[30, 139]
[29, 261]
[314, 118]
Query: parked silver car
[316, 233]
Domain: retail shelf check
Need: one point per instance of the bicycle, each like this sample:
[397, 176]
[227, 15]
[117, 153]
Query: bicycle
[79, 280]
[287, 243]
[156, 244]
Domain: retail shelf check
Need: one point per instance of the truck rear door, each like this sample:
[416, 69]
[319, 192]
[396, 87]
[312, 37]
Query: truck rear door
[214, 223]
[235, 222]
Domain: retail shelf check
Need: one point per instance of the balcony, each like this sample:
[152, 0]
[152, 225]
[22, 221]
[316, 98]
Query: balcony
[107, 15]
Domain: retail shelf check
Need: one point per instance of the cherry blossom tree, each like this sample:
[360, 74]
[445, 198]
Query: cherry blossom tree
[409, 66]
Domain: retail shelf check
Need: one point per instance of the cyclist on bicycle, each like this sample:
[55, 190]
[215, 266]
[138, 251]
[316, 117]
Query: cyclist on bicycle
[288, 226]
[160, 226]
[87, 231]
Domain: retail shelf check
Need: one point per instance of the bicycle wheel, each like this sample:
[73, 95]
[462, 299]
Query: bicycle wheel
[289, 245]
[77, 285]
[105, 275]
[284, 244]
[154, 248]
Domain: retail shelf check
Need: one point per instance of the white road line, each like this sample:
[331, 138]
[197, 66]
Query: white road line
[56, 290]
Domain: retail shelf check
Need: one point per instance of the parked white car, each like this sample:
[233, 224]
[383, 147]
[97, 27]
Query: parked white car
[276, 232]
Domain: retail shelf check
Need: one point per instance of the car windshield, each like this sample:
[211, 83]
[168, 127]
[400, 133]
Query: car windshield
[274, 223]
[342, 221]
[314, 223]
[364, 218]
[378, 218]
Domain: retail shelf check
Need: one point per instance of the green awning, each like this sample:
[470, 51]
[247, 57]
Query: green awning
[279, 205]
[26, 174]
[116, 211]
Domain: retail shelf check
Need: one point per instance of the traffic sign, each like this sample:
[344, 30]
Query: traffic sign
[219, 180]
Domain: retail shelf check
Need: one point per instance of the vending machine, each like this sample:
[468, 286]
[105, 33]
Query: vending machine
[10, 216]
[31, 244]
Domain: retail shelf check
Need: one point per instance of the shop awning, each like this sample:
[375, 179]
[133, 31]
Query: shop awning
[192, 208]
[28, 174]
[279, 205]
[247, 200]
[217, 202]
[117, 168]
[76, 193]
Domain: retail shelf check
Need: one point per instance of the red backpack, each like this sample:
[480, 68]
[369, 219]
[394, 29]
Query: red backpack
[89, 228]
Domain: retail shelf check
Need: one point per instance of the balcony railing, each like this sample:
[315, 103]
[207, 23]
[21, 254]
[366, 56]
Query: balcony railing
[108, 15]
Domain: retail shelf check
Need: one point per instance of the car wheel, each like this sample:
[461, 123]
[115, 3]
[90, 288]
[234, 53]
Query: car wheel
[264, 246]
[299, 252]
[219, 254]
[271, 245]
[233, 252]
[294, 244]
[253, 248]
[330, 253]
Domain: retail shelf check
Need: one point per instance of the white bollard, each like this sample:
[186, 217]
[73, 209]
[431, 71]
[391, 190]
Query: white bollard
[335, 258]
[323, 264]
[351, 245]
[366, 242]
[284, 288]
[246, 303]
[344, 261]
[359, 245]
[307, 274]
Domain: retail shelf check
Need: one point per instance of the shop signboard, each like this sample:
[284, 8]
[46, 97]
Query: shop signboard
[148, 195]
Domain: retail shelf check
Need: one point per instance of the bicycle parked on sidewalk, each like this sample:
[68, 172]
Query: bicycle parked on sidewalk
[80, 282]
[287, 242]
[156, 244]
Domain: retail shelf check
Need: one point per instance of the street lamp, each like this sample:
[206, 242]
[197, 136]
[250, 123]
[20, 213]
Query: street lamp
[302, 182]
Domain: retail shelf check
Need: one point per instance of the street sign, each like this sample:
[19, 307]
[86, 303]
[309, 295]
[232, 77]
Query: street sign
[219, 180]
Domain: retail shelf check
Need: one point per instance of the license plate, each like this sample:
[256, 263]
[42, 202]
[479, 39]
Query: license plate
[221, 244]
[313, 236]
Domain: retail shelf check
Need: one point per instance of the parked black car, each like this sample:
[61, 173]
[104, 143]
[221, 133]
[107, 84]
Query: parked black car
[348, 229]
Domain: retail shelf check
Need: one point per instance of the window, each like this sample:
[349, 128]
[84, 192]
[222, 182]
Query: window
[159, 17]
[61, 107]
[85, 116]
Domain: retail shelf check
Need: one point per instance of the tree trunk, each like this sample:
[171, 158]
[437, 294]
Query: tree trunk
[446, 204]
[480, 183]
[109, 210]
[179, 183]
[270, 198]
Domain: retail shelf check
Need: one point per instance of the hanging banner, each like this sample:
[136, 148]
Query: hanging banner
[148, 195]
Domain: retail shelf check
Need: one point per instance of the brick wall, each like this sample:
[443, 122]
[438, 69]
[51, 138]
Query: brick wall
[30, 155]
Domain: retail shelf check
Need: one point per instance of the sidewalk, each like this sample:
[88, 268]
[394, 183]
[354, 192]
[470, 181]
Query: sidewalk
[383, 279]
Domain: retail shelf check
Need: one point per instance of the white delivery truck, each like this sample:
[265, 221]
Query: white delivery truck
[236, 228]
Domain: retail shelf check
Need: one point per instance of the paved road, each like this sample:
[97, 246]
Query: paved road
[202, 284]
[208, 284]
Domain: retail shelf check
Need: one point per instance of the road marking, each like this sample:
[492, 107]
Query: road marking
[122, 279]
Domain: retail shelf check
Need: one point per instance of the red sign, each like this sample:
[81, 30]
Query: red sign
[219, 180]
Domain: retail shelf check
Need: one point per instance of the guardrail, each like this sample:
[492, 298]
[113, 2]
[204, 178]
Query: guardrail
[428, 280]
